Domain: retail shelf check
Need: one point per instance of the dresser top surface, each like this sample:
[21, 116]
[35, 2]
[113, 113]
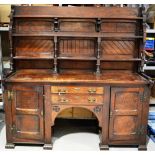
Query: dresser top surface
[113, 77]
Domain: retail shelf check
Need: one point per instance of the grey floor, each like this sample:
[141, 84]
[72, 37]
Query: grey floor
[71, 137]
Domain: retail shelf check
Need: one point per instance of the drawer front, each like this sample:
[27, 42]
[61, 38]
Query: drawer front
[77, 90]
[76, 99]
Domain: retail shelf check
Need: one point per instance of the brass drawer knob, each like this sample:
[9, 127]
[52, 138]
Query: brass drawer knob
[92, 90]
[62, 91]
[42, 113]
[63, 100]
[76, 88]
[91, 100]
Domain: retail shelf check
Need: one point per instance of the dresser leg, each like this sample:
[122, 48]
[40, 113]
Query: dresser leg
[48, 147]
[103, 147]
[10, 146]
[142, 148]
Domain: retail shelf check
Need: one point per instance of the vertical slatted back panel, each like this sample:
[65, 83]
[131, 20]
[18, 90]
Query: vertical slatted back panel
[77, 47]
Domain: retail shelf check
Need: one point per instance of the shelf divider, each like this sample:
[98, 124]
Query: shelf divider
[55, 71]
[98, 71]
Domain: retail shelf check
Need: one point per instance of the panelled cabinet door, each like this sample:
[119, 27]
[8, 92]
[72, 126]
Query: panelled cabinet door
[125, 114]
[27, 112]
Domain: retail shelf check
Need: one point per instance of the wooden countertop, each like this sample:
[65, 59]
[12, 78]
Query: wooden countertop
[107, 77]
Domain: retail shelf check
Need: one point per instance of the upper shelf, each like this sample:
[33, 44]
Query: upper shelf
[45, 16]
[78, 34]
[76, 58]
[33, 58]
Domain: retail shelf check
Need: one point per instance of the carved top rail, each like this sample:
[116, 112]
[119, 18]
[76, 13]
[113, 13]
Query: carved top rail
[76, 12]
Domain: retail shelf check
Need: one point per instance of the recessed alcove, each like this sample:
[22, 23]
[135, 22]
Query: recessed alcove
[75, 120]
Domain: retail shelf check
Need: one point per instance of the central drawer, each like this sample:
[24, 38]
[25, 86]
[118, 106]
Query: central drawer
[76, 90]
[76, 99]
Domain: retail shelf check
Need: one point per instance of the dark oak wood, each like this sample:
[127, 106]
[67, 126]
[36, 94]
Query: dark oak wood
[85, 58]
[126, 113]
[77, 90]
[104, 147]
[27, 112]
[42, 76]
[77, 12]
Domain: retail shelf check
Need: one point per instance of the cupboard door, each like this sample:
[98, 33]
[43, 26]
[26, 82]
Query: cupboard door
[27, 112]
[125, 113]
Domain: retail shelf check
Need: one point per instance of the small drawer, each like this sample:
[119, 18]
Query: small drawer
[77, 90]
[76, 99]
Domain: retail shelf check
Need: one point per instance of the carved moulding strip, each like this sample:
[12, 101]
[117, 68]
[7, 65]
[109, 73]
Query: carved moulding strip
[56, 108]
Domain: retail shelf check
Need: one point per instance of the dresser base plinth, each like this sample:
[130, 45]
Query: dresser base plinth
[48, 147]
[10, 146]
[103, 147]
[142, 148]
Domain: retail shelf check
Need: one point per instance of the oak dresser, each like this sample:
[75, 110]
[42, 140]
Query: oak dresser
[68, 57]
